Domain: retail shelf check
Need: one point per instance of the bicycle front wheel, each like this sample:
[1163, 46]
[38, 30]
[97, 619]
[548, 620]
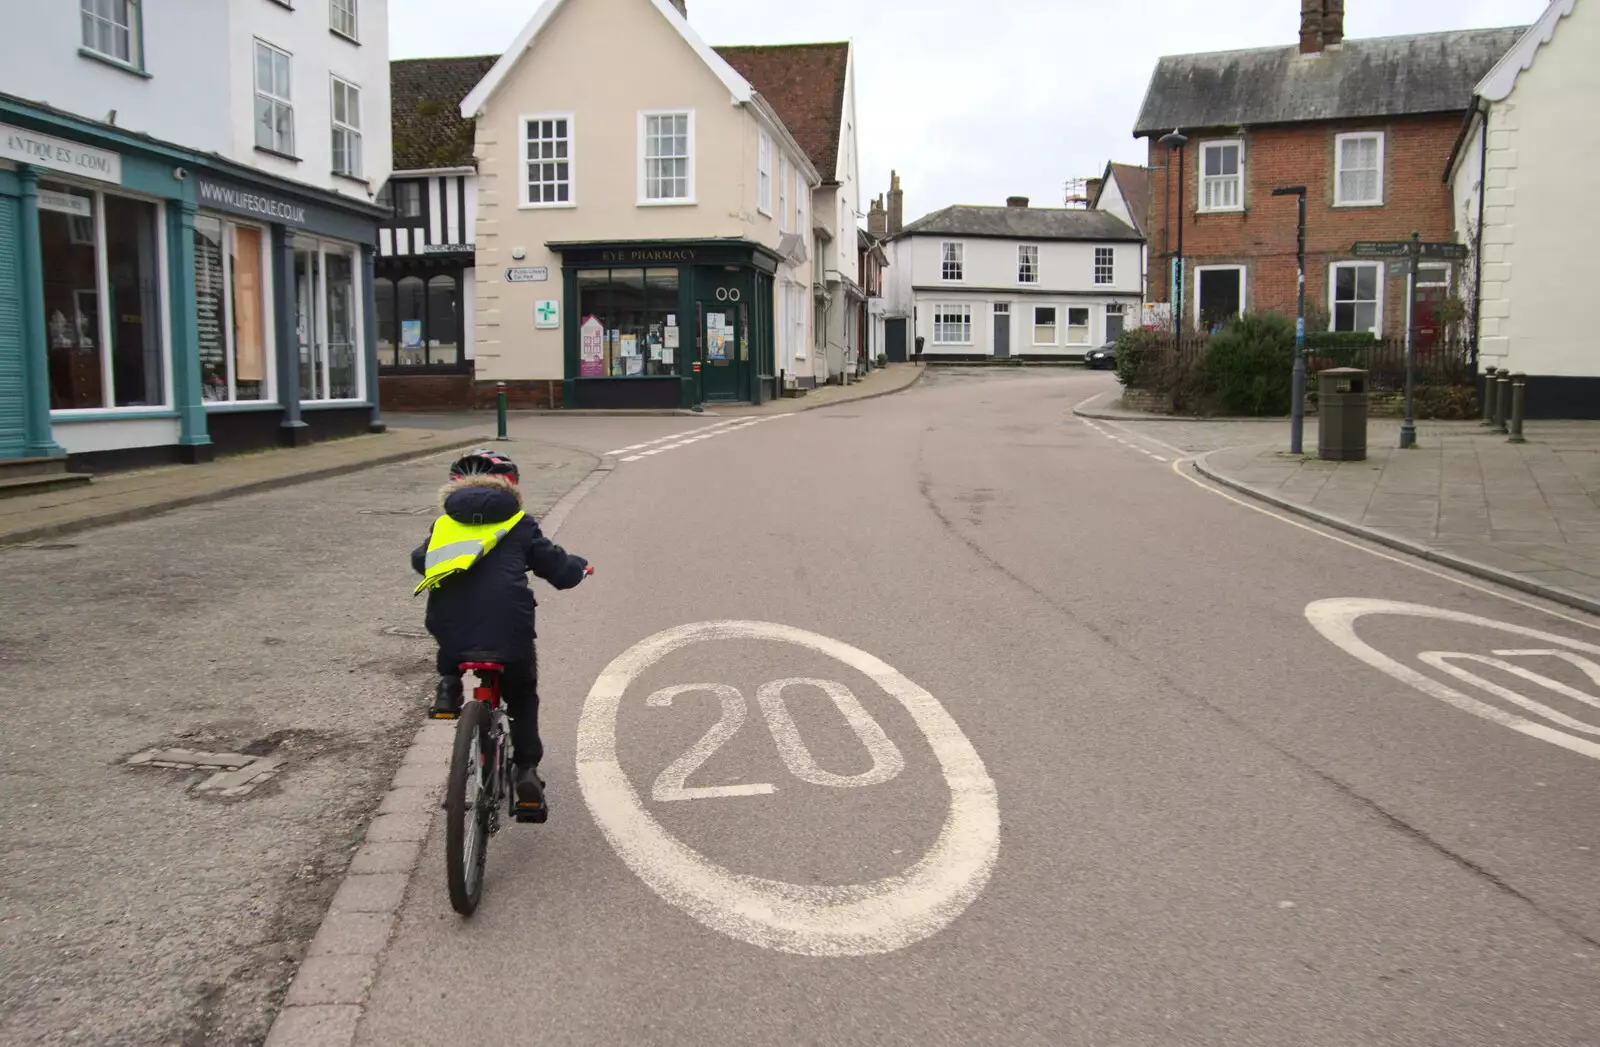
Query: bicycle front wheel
[468, 805]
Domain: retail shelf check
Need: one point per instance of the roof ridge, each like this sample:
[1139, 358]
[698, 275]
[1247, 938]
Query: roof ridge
[447, 58]
[1350, 40]
[779, 47]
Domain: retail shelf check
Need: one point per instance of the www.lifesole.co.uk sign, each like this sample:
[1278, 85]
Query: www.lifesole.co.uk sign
[246, 202]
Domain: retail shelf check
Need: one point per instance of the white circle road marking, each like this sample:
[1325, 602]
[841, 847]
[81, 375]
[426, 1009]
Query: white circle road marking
[854, 920]
[1336, 621]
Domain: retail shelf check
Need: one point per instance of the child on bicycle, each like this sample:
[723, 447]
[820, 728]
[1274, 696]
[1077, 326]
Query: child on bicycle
[480, 607]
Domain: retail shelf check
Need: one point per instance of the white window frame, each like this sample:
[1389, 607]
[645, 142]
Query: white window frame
[1338, 169]
[269, 390]
[348, 8]
[1193, 291]
[1108, 266]
[951, 309]
[1054, 325]
[1448, 274]
[358, 320]
[524, 199]
[1333, 283]
[801, 190]
[645, 200]
[764, 174]
[1027, 264]
[783, 194]
[799, 296]
[1238, 178]
[285, 100]
[960, 261]
[350, 131]
[103, 328]
[100, 16]
[1087, 325]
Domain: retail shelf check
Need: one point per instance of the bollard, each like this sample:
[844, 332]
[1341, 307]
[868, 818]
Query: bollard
[500, 408]
[1502, 400]
[1519, 396]
[1489, 388]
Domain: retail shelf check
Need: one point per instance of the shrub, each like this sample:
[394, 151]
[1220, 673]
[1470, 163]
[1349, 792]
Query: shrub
[1249, 365]
[1139, 352]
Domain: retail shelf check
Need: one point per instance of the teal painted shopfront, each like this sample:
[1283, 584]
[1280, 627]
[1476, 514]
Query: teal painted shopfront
[668, 324]
[159, 305]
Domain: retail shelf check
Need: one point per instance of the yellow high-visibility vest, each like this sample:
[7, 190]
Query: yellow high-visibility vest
[454, 547]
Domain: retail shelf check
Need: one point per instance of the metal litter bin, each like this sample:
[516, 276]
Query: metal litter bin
[1342, 414]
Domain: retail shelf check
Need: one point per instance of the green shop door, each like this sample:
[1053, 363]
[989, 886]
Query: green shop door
[724, 352]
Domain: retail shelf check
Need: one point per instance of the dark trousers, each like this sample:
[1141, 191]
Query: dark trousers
[519, 689]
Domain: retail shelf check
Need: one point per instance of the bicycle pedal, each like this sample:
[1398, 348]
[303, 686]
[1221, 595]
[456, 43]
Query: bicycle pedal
[533, 815]
[444, 716]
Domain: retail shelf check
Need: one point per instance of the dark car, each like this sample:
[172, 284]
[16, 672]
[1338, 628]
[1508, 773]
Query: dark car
[1104, 357]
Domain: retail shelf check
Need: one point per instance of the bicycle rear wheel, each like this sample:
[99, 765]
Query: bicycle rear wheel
[468, 804]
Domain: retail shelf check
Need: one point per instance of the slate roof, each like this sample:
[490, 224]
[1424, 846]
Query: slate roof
[425, 106]
[1134, 182]
[1021, 223]
[1385, 76]
[804, 84]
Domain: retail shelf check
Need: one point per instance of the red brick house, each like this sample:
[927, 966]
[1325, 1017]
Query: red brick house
[1364, 125]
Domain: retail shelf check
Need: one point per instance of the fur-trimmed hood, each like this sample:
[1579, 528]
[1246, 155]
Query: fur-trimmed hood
[480, 499]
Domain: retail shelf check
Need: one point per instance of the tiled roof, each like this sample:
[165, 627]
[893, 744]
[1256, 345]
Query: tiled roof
[1022, 223]
[1387, 76]
[1135, 184]
[425, 104]
[804, 84]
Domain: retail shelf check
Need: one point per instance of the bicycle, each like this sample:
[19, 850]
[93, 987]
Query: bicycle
[481, 776]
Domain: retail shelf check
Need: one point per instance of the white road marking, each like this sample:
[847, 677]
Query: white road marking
[1336, 620]
[886, 759]
[1177, 468]
[673, 436]
[805, 919]
[670, 784]
[1445, 662]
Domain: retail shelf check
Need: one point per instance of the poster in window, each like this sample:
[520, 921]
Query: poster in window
[635, 365]
[249, 319]
[591, 348]
[208, 309]
[411, 334]
[672, 337]
[716, 344]
[630, 348]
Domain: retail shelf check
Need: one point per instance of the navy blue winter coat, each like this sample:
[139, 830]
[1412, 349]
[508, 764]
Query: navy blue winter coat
[487, 611]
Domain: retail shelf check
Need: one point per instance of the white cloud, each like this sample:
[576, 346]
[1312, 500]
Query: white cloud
[1018, 99]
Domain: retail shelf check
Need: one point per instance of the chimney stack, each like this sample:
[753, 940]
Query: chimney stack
[877, 218]
[1311, 22]
[1332, 24]
[683, 8]
[1093, 191]
[1016, 201]
[897, 204]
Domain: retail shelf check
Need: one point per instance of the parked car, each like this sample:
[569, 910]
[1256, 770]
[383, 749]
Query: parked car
[1104, 357]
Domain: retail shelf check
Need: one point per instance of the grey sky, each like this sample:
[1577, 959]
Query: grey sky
[970, 110]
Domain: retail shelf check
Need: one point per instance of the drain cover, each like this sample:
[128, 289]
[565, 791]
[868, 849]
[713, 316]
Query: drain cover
[236, 774]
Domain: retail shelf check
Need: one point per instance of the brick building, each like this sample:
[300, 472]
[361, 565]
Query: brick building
[1364, 125]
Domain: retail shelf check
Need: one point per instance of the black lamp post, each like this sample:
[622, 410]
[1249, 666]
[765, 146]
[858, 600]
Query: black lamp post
[1297, 414]
[1176, 142]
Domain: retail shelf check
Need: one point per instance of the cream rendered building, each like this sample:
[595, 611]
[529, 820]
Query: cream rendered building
[643, 229]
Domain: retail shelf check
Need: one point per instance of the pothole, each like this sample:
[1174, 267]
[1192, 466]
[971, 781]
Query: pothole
[234, 774]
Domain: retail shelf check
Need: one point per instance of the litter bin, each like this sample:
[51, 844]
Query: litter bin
[1342, 414]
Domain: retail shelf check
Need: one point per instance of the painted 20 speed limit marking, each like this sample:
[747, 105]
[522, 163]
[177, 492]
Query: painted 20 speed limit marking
[853, 920]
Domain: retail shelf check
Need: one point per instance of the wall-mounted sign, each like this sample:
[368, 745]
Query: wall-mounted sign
[547, 314]
[648, 254]
[447, 248]
[527, 274]
[65, 203]
[245, 201]
[58, 154]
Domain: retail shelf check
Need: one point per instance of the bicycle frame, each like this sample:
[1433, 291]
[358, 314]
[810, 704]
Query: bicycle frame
[482, 681]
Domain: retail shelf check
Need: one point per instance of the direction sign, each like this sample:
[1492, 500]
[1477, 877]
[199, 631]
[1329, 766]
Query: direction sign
[527, 274]
[1382, 249]
[1445, 252]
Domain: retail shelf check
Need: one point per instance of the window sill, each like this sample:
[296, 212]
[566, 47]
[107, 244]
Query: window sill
[322, 405]
[346, 37]
[115, 63]
[1368, 203]
[763, 214]
[280, 155]
[668, 203]
[357, 179]
[569, 205]
[1218, 210]
[237, 406]
[110, 414]
[285, 4]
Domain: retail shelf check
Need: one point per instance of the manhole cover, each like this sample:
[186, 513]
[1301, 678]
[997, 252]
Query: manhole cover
[236, 774]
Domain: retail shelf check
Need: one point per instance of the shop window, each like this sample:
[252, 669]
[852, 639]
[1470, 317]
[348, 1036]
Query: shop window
[442, 323]
[419, 322]
[327, 332]
[232, 303]
[383, 303]
[630, 324]
[102, 299]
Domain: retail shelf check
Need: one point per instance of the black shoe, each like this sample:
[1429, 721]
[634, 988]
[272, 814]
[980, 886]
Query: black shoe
[447, 699]
[531, 806]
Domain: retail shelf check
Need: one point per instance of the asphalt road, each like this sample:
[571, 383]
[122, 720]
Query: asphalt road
[1102, 781]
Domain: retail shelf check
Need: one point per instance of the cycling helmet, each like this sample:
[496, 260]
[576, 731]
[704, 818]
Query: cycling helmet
[484, 462]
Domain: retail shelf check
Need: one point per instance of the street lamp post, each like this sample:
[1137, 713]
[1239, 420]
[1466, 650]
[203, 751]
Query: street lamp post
[1176, 142]
[1297, 414]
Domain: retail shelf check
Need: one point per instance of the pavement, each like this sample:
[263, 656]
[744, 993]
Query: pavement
[1526, 515]
[136, 494]
[1008, 729]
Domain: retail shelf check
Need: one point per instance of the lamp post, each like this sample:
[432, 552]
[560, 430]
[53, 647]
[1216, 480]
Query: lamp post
[1176, 142]
[1297, 412]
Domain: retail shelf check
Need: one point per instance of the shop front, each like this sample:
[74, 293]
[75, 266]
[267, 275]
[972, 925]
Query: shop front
[671, 324]
[423, 305]
[155, 307]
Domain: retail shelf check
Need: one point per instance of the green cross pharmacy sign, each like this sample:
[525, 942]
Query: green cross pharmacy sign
[547, 314]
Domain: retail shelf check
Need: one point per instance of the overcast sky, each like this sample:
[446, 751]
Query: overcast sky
[972, 102]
